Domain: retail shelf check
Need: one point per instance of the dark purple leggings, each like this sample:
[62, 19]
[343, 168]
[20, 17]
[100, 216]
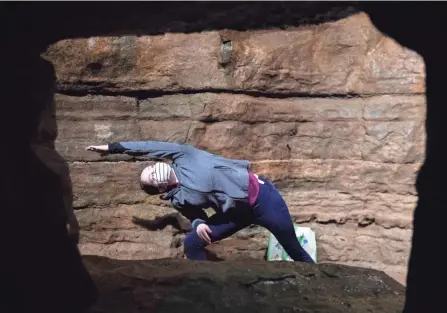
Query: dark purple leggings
[270, 211]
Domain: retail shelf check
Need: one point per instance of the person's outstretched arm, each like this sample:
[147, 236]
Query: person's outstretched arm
[157, 149]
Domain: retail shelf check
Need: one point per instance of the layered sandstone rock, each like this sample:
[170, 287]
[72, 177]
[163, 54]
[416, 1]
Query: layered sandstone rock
[347, 56]
[332, 113]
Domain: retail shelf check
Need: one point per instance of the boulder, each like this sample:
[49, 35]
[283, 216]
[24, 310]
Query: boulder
[164, 286]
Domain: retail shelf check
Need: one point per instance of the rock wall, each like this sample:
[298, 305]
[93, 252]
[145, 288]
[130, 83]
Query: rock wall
[333, 113]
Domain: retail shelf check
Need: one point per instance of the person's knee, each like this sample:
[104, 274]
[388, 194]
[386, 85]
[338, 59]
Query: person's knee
[192, 243]
[188, 243]
[283, 231]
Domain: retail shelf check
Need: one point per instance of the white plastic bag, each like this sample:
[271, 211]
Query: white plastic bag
[306, 238]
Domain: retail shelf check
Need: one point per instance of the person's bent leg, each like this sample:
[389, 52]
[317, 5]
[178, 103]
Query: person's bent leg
[272, 213]
[287, 239]
[221, 225]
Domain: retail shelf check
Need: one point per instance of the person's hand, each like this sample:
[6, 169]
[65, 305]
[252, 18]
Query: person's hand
[203, 230]
[102, 149]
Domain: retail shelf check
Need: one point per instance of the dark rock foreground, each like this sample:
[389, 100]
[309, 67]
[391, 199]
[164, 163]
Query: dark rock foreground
[240, 286]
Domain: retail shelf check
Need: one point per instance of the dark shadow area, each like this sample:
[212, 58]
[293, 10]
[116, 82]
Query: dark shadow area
[176, 220]
[41, 264]
[420, 26]
[84, 19]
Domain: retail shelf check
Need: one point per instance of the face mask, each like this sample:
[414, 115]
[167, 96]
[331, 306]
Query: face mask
[162, 173]
[156, 175]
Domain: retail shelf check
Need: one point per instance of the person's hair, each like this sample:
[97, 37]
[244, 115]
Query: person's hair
[150, 190]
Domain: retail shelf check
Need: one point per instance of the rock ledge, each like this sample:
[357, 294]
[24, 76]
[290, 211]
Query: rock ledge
[183, 286]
